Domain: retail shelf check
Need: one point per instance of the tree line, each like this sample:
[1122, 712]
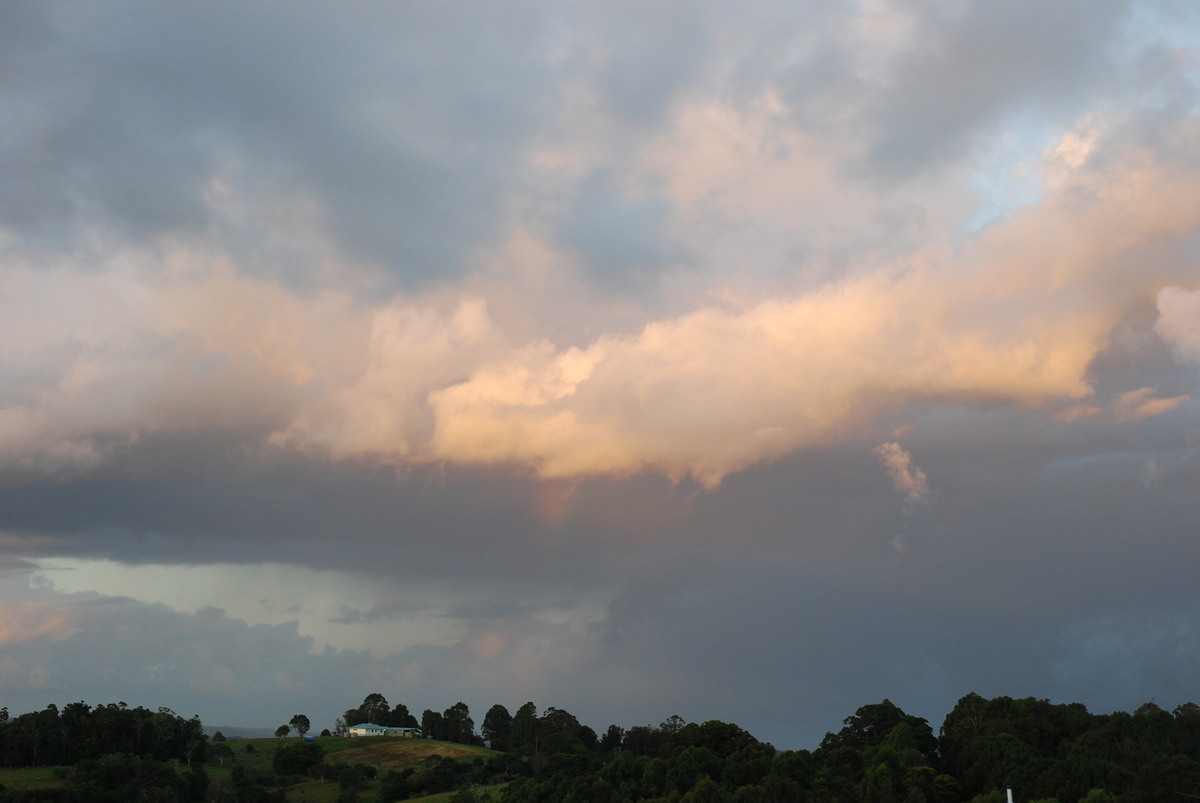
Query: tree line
[1046, 752]
[80, 732]
[114, 753]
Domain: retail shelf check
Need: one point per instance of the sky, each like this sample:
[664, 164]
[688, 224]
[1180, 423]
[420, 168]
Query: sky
[743, 361]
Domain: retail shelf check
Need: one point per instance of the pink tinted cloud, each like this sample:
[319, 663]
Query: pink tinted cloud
[1015, 316]
[1142, 403]
[30, 621]
[906, 477]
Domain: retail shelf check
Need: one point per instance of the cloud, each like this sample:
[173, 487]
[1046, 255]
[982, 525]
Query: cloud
[1141, 403]
[32, 621]
[1152, 474]
[378, 132]
[1179, 322]
[908, 479]
[534, 349]
[1016, 317]
[936, 97]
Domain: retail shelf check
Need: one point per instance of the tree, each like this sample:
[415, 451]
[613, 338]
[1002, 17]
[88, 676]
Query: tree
[524, 727]
[375, 708]
[458, 725]
[432, 725]
[300, 724]
[497, 726]
[560, 732]
[400, 717]
[870, 725]
[672, 724]
[296, 758]
[194, 739]
[395, 785]
[221, 753]
[612, 738]
[643, 740]
[282, 731]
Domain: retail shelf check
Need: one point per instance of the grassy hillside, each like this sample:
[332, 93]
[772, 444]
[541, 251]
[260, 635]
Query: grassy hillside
[255, 756]
[388, 752]
[383, 752]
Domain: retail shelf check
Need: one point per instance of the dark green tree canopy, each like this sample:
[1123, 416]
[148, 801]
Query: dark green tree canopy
[457, 725]
[375, 708]
[524, 727]
[297, 757]
[870, 725]
[300, 724]
[1045, 751]
[497, 726]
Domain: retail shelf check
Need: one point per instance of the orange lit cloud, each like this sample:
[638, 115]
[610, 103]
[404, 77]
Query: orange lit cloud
[31, 621]
[1014, 316]
[718, 389]
[1018, 319]
[1142, 403]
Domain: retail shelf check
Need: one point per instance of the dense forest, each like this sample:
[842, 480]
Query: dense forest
[1042, 750]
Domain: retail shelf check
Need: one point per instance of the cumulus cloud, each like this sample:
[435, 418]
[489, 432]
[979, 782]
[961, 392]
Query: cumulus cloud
[1015, 317]
[1019, 319]
[906, 477]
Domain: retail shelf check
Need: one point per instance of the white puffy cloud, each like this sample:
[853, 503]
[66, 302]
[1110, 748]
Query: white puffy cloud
[906, 477]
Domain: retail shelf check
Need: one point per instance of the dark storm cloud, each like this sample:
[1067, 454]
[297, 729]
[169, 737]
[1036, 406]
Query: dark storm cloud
[798, 611]
[121, 115]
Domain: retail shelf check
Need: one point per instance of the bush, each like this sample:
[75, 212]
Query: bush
[295, 759]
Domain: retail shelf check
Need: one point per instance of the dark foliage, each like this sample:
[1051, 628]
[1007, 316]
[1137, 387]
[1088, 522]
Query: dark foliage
[296, 759]
[80, 732]
[1044, 751]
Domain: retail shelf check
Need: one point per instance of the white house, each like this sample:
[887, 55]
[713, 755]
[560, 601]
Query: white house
[370, 729]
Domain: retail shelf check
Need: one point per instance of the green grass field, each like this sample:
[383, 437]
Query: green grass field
[256, 756]
[30, 778]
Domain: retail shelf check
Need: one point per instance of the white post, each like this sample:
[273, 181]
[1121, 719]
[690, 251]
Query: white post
[1010, 800]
